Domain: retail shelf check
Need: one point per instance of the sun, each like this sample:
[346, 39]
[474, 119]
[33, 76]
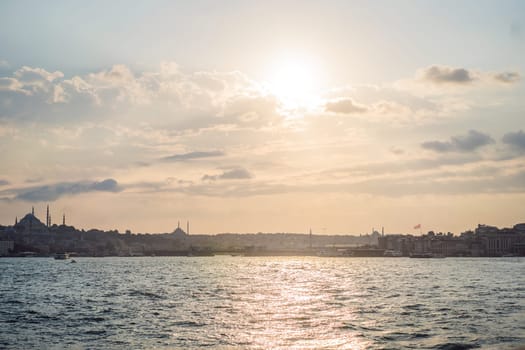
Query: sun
[293, 81]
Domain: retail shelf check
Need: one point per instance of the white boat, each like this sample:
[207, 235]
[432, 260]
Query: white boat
[392, 253]
[61, 256]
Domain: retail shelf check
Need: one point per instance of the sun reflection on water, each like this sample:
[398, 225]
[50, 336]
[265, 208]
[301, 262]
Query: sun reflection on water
[298, 308]
[262, 303]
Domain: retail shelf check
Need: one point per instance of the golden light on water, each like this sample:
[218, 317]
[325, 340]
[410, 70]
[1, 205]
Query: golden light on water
[301, 307]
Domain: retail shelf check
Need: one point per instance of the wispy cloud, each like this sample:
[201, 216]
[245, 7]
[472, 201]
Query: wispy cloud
[233, 174]
[443, 182]
[192, 156]
[54, 191]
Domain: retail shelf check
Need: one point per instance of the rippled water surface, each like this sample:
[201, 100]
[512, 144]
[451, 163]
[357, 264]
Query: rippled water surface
[262, 303]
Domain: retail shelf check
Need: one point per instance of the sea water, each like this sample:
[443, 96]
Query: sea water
[262, 303]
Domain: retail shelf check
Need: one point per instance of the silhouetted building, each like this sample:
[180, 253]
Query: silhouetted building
[6, 247]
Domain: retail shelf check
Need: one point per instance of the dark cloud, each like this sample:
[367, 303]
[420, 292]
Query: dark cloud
[4, 182]
[438, 146]
[473, 140]
[515, 139]
[191, 156]
[507, 77]
[55, 191]
[233, 174]
[463, 143]
[444, 74]
[344, 106]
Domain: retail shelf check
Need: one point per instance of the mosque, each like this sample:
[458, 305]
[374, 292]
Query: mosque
[30, 224]
[180, 233]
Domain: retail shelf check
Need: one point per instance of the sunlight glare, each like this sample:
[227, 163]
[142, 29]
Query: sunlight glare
[294, 82]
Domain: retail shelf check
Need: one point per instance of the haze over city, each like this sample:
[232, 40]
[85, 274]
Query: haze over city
[273, 116]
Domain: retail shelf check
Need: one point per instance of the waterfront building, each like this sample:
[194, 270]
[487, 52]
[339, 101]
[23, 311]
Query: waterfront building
[502, 242]
[6, 247]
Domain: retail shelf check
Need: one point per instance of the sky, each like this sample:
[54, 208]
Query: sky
[263, 116]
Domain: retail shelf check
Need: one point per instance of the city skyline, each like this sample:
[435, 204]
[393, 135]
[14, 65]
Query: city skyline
[276, 117]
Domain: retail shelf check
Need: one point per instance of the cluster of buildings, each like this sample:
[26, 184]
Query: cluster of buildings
[485, 240]
[29, 237]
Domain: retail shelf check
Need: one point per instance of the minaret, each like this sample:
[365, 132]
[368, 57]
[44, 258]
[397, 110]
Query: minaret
[33, 211]
[16, 220]
[383, 231]
[47, 216]
[188, 227]
[64, 219]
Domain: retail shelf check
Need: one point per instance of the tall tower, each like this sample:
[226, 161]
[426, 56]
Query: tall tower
[383, 231]
[16, 220]
[64, 219]
[188, 227]
[47, 216]
[33, 211]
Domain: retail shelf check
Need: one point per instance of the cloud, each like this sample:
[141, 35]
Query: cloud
[396, 150]
[447, 75]
[165, 97]
[507, 77]
[30, 75]
[55, 191]
[4, 182]
[444, 75]
[515, 139]
[463, 143]
[233, 174]
[344, 106]
[398, 103]
[439, 182]
[442, 184]
[4, 64]
[11, 84]
[251, 111]
[117, 74]
[34, 180]
[192, 156]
